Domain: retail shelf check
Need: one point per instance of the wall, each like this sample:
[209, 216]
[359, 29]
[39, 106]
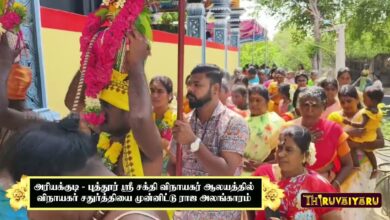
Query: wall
[60, 35]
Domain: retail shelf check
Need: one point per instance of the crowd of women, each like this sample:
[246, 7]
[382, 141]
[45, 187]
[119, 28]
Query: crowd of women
[305, 138]
[342, 122]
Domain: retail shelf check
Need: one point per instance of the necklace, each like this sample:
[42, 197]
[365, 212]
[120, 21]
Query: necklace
[165, 124]
[109, 152]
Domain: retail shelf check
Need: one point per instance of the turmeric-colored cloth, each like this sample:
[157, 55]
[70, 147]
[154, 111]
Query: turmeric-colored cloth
[116, 94]
[338, 118]
[359, 180]
[374, 122]
[273, 90]
[19, 80]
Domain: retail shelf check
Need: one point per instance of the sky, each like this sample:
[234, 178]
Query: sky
[266, 20]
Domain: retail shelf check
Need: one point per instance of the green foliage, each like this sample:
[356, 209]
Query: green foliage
[298, 13]
[370, 16]
[2, 7]
[368, 28]
[283, 51]
[367, 24]
[168, 18]
[143, 24]
[20, 9]
[102, 13]
[386, 122]
[367, 46]
[257, 52]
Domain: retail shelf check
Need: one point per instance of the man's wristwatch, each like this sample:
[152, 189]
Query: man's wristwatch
[194, 147]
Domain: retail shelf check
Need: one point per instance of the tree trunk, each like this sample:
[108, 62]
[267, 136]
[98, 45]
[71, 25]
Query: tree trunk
[317, 59]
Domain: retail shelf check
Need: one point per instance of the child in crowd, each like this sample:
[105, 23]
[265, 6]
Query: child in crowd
[286, 92]
[363, 77]
[372, 117]
[240, 97]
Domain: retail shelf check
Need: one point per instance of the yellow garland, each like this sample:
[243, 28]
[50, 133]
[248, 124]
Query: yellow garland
[132, 163]
[113, 153]
[169, 117]
[104, 141]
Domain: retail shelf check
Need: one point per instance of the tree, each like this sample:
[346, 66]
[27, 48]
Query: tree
[308, 16]
[284, 51]
[368, 28]
[369, 16]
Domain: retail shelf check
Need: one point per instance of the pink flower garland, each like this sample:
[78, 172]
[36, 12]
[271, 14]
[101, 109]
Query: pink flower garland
[101, 59]
[10, 20]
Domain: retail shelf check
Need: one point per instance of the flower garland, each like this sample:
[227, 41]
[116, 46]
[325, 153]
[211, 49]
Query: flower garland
[101, 59]
[311, 159]
[110, 154]
[12, 15]
[165, 124]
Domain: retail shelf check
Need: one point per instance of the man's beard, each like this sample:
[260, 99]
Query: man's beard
[198, 103]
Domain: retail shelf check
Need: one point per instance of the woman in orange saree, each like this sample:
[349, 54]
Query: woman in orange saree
[333, 153]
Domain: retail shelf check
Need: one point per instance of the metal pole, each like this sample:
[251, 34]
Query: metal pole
[266, 48]
[226, 48]
[253, 41]
[204, 40]
[180, 73]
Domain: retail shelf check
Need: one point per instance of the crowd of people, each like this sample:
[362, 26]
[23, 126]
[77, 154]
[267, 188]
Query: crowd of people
[304, 132]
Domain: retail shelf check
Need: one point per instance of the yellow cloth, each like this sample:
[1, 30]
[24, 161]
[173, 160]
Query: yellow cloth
[116, 92]
[374, 122]
[131, 160]
[271, 106]
[273, 90]
[338, 118]
[117, 95]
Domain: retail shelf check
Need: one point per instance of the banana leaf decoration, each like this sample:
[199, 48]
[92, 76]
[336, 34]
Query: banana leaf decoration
[2, 7]
[143, 24]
